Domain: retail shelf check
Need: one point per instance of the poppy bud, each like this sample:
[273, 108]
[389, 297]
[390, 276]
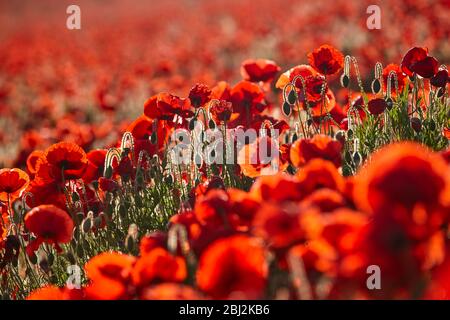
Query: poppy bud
[86, 225]
[97, 221]
[294, 137]
[345, 80]
[79, 217]
[416, 124]
[441, 92]
[198, 160]
[357, 158]
[192, 124]
[340, 136]
[376, 86]
[292, 97]
[108, 172]
[211, 124]
[287, 110]
[389, 103]
[129, 243]
[349, 134]
[212, 154]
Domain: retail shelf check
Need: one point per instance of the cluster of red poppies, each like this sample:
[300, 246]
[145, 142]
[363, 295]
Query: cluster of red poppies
[83, 85]
[309, 230]
[317, 227]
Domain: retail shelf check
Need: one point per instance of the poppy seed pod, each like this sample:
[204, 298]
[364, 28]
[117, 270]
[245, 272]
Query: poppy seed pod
[345, 81]
[376, 86]
[292, 97]
[287, 110]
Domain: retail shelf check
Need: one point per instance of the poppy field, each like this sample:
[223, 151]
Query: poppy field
[224, 150]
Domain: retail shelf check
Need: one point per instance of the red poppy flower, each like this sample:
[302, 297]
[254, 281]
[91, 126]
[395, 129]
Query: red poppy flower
[279, 187]
[51, 292]
[171, 291]
[32, 161]
[190, 222]
[282, 226]
[212, 208]
[108, 185]
[156, 239]
[222, 91]
[407, 181]
[279, 125]
[303, 70]
[342, 227]
[318, 174]
[318, 257]
[142, 129]
[47, 193]
[259, 70]
[326, 59]
[49, 224]
[199, 95]
[109, 273]
[262, 157]
[401, 78]
[12, 183]
[221, 111]
[247, 99]
[439, 285]
[96, 165]
[165, 106]
[242, 209]
[326, 200]
[158, 265]
[416, 60]
[377, 106]
[64, 160]
[319, 146]
[234, 267]
[440, 79]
